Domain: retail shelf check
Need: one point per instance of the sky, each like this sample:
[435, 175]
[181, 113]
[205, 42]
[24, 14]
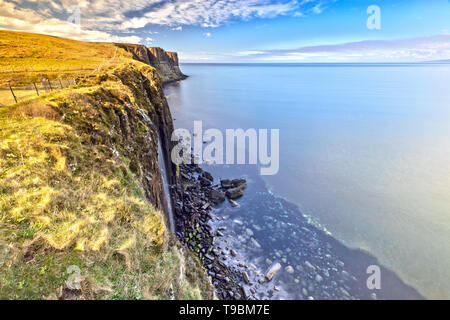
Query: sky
[249, 30]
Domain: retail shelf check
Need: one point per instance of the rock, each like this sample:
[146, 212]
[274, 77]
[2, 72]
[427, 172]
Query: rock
[249, 232]
[226, 184]
[272, 271]
[246, 277]
[261, 281]
[345, 275]
[275, 288]
[205, 206]
[319, 278]
[233, 203]
[216, 196]
[233, 253]
[239, 183]
[185, 176]
[253, 291]
[208, 176]
[309, 265]
[245, 292]
[289, 269]
[205, 182]
[234, 193]
[344, 292]
[219, 276]
[256, 243]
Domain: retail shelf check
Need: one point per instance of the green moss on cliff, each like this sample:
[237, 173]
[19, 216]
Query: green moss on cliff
[72, 194]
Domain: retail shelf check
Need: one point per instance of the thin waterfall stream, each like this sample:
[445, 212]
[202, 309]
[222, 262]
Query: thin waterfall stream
[163, 171]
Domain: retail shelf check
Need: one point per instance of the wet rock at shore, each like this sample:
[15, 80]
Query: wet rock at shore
[216, 196]
[239, 183]
[226, 184]
[289, 269]
[234, 193]
[233, 203]
[205, 182]
[246, 277]
[208, 176]
[231, 184]
[272, 271]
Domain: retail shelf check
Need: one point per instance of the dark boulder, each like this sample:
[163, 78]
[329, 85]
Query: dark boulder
[239, 183]
[226, 184]
[216, 196]
[234, 193]
[208, 176]
[205, 182]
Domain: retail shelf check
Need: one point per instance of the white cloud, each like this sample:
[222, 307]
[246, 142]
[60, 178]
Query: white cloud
[179, 28]
[210, 13]
[402, 50]
[249, 53]
[317, 9]
[113, 20]
[207, 34]
[39, 20]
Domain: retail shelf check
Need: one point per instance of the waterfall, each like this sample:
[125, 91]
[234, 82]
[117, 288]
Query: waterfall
[163, 171]
[165, 179]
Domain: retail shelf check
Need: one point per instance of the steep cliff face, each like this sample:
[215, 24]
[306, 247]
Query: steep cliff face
[81, 186]
[166, 63]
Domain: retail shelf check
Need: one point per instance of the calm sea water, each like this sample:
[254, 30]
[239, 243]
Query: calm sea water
[364, 151]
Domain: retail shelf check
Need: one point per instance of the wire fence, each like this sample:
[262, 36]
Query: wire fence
[12, 94]
[19, 85]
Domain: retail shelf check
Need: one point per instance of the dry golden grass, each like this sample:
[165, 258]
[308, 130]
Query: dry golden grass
[67, 200]
[26, 56]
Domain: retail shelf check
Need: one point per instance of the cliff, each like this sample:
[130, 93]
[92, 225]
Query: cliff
[83, 213]
[166, 63]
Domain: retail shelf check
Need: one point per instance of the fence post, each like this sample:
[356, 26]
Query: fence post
[49, 84]
[35, 88]
[60, 83]
[15, 98]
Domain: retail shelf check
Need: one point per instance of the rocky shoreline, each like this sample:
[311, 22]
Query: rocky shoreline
[195, 196]
[285, 258]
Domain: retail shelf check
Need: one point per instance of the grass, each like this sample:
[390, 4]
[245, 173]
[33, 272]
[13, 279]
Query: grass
[6, 97]
[25, 57]
[71, 193]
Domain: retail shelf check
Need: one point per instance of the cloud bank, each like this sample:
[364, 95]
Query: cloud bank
[119, 20]
[402, 50]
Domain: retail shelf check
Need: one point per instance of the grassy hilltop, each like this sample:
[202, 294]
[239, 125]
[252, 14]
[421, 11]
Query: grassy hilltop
[24, 56]
[71, 180]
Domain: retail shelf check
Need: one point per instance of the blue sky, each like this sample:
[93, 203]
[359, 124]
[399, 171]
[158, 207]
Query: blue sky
[248, 30]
